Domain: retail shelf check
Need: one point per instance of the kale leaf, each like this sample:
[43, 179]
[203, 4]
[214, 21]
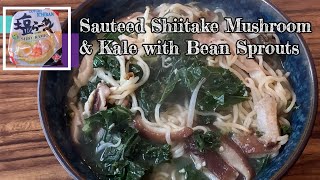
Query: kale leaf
[122, 170]
[180, 40]
[133, 157]
[186, 166]
[149, 95]
[285, 129]
[221, 88]
[259, 163]
[150, 154]
[118, 115]
[112, 154]
[205, 120]
[209, 140]
[85, 91]
[192, 173]
[112, 36]
[109, 63]
[127, 155]
[134, 171]
[170, 84]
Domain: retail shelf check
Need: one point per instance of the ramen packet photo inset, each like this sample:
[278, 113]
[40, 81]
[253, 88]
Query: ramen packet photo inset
[35, 37]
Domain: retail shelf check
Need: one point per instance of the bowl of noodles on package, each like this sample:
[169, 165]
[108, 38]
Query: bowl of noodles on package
[35, 36]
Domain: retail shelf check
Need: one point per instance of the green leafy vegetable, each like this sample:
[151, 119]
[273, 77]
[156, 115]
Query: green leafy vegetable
[113, 154]
[205, 120]
[186, 167]
[152, 154]
[285, 129]
[119, 116]
[111, 64]
[123, 154]
[122, 170]
[259, 163]
[192, 173]
[112, 36]
[141, 155]
[149, 95]
[121, 162]
[170, 84]
[108, 62]
[126, 155]
[134, 171]
[179, 39]
[221, 89]
[85, 91]
[209, 140]
[92, 122]
[150, 59]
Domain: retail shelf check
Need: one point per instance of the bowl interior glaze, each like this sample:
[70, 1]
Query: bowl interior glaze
[53, 85]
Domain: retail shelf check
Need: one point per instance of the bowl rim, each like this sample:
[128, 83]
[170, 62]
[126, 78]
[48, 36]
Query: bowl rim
[47, 132]
[293, 157]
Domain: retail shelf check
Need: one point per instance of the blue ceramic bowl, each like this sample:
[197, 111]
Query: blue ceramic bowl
[53, 85]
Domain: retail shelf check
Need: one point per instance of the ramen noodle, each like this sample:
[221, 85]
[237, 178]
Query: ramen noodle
[35, 37]
[169, 117]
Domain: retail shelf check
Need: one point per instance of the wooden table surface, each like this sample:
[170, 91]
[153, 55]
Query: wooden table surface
[24, 152]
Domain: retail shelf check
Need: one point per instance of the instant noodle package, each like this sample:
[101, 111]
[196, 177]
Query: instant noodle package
[35, 36]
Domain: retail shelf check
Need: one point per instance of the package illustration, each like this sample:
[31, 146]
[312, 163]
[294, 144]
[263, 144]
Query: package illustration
[35, 36]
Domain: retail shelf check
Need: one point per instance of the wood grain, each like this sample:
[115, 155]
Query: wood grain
[24, 153]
